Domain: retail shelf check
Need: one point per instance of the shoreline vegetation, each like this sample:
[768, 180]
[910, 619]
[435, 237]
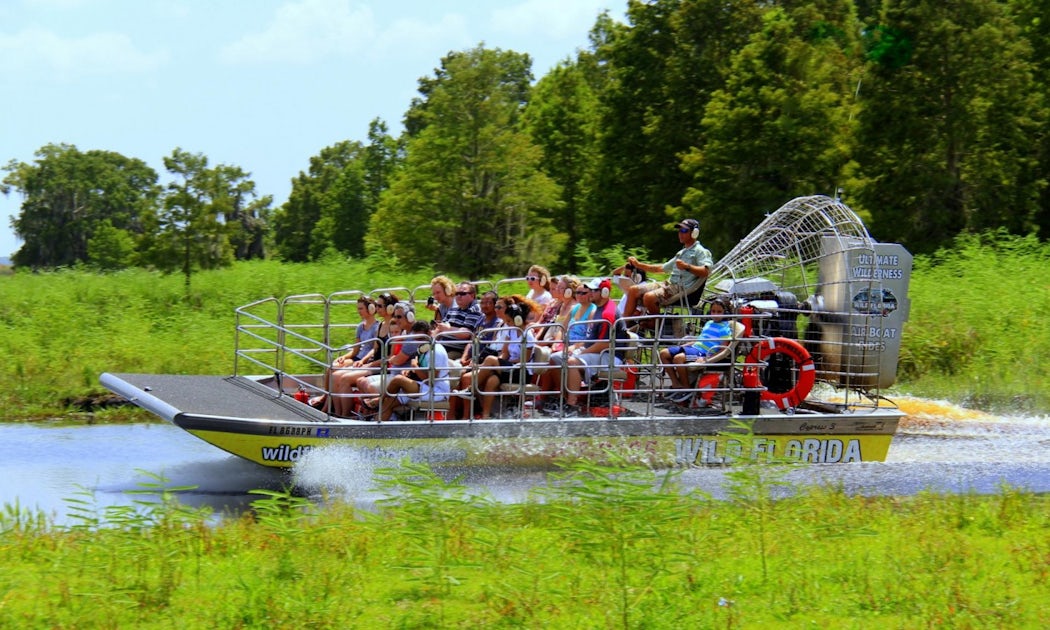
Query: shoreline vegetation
[593, 548]
[976, 334]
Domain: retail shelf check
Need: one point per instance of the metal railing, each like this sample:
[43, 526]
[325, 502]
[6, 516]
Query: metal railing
[295, 339]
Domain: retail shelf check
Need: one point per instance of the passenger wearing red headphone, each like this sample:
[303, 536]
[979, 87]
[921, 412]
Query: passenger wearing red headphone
[583, 360]
[688, 269]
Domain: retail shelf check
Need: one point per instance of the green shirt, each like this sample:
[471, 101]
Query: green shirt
[696, 255]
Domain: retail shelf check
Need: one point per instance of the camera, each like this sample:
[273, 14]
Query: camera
[430, 301]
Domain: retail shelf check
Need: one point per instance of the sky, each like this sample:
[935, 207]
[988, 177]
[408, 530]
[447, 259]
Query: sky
[259, 84]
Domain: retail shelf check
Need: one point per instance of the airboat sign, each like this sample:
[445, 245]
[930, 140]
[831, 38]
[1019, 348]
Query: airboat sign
[724, 450]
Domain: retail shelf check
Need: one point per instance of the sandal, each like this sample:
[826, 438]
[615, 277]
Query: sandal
[318, 402]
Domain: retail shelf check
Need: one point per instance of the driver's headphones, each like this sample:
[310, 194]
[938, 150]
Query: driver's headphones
[695, 234]
[514, 311]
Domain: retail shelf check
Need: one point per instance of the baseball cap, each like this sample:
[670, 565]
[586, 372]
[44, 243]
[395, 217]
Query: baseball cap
[687, 224]
[596, 284]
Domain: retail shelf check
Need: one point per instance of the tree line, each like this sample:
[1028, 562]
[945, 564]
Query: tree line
[929, 117]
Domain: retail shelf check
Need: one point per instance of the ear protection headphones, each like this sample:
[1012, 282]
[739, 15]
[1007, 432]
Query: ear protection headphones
[605, 292]
[727, 306]
[567, 294]
[696, 230]
[390, 308]
[371, 306]
[637, 275]
[410, 313]
[515, 313]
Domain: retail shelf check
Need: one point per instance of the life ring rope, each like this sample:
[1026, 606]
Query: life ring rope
[807, 370]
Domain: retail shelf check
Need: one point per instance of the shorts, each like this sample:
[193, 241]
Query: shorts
[426, 395]
[666, 293]
[507, 374]
[593, 362]
[375, 382]
[691, 352]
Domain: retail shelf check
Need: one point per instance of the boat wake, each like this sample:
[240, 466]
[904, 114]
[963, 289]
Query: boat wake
[338, 472]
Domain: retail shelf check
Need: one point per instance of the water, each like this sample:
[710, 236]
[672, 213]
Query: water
[44, 465]
[939, 447]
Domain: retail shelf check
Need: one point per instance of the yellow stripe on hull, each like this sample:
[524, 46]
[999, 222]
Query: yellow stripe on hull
[657, 451]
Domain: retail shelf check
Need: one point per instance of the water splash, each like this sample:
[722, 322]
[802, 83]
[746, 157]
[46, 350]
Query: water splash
[337, 471]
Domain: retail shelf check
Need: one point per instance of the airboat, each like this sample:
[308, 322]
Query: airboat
[819, 307]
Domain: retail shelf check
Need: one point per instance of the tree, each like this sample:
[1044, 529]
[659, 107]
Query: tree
[471, 197]
[562, 118]
[662, 70]
[950, 108]
[781, 126]
[69, 194]
[1031, 19]
[191, 232]
[110, 248]
[245, 216]
[328, 207]
[382, 155]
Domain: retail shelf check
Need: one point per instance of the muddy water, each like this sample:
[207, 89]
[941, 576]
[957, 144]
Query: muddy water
[939, 447]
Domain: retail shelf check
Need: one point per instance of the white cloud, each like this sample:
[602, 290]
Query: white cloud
[36, 50]
[306, 31]
[551, 19]
[448, 33]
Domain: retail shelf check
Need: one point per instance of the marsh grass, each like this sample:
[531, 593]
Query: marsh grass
[596, 547]
[59, 330]
[978, 329]
[977, 333]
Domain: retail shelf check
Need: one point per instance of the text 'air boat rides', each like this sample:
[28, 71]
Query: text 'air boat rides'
[782, 353]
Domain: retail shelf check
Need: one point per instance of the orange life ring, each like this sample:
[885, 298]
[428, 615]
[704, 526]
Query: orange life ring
[807, 371]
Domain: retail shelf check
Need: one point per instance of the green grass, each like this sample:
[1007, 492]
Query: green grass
[977, 333]
[60, 330]
[978, 330]
[594, 548]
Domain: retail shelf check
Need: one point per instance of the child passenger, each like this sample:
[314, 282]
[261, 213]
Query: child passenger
[714, 336]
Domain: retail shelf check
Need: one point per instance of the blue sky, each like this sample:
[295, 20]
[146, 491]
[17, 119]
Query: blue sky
[260, 84]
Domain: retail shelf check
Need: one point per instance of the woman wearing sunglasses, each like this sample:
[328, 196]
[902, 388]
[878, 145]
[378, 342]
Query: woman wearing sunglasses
[556, 314]
[513, 343]
[539, 281]
[364, 348]
[368, 379]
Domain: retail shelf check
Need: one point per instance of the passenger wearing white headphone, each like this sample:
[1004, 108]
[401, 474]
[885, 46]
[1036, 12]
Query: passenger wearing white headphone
[582, 360]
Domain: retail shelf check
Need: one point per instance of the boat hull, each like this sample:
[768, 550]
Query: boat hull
[257, 423]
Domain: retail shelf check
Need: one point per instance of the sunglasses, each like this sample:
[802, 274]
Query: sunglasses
[399, 316]
[532, 278]
[462, 293]
[498, 307]
[583, 292]
[684, 230]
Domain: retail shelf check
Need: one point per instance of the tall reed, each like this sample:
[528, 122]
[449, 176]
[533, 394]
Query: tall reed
[596, 547]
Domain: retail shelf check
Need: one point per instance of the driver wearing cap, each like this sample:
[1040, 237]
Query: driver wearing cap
[688, 271]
